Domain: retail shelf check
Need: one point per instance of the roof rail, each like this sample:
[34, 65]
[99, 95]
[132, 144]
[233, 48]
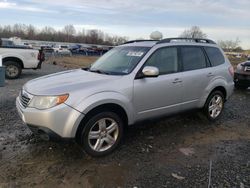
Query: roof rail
[133, 41]
[197, 40]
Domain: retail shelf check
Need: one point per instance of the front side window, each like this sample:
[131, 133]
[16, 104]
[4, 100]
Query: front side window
[215, 56]
[193, 58]
[120, 60]
[165, 59]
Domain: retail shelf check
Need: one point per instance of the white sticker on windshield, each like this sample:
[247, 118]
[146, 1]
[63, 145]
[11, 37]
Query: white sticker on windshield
[135, 54]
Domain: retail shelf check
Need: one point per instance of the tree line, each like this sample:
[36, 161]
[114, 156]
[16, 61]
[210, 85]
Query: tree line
[93, 36]
[67, 34]
[226, 45]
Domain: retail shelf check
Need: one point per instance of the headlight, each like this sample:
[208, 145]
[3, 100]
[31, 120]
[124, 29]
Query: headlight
[45, 102]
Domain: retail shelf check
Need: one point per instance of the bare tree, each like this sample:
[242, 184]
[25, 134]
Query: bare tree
[229, 45]
[193, 32]
[69, 30]
[31, 31]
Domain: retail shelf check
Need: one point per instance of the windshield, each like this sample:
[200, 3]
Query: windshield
[119, 60]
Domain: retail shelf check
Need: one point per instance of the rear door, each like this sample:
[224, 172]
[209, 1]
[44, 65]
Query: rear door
[160, 95]
[196, 75]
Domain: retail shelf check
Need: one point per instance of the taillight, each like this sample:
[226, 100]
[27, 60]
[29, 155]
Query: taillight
[39, 56]
[231, 70]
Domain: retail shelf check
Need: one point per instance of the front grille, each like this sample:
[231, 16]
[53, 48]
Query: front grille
[247, 68]
[24, 99]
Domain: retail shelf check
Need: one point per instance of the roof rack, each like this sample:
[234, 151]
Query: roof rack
[133, 41]
[197, 40]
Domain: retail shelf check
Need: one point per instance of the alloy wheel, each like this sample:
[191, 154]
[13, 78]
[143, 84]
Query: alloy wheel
[103, 134]
[215, 106]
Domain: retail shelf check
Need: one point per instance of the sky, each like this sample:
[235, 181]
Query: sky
[219, 19]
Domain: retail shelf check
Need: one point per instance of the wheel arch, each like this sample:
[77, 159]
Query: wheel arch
[14, 59]
[112, 107]
[221, 89]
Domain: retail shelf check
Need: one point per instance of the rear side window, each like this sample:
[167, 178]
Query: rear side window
[215, 56]
[193, 58]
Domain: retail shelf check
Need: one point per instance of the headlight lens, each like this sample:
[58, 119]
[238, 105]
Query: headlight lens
[45, 102]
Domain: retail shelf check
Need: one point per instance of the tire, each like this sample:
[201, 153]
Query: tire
[214, 105]
[104, 141]
[12, 69]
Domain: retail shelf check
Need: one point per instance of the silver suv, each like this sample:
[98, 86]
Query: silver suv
[136, 81]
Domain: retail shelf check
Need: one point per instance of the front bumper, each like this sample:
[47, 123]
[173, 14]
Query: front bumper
[60, 122]
[242, 79]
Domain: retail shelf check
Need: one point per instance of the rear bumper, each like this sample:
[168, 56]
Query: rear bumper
[242, 79]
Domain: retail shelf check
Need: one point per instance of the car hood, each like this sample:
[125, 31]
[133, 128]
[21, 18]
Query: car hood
[67, 82]
[247, 63]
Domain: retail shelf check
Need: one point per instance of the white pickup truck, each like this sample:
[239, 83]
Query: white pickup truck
[15, 58]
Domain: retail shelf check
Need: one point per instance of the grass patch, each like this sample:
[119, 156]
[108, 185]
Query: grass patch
[235, 61]
[73, 61]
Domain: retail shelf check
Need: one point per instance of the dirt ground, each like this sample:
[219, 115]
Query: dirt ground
[178, 151]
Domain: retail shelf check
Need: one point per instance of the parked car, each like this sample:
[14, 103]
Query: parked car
[47, 49]
[130, 83]
[61, 50]
[16, 58]
[242, 75]
[78, 50]
[7, 43]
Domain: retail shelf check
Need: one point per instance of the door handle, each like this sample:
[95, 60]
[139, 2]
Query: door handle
[176, 80]
[210, 74]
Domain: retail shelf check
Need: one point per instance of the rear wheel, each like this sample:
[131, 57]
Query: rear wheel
[13, 69]
[102, 134]
[214, 105]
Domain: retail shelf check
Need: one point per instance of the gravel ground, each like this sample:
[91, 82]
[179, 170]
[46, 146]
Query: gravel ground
[174, 152]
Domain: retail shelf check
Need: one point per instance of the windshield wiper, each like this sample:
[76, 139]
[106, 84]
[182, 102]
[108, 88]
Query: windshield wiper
[98, 71]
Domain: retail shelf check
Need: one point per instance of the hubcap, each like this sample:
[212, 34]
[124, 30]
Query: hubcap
[215, 106]
[103, 134]
[11, 70]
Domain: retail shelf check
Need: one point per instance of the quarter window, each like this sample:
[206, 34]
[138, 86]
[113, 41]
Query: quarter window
[193, 58]
[165, 59]
[215, 56]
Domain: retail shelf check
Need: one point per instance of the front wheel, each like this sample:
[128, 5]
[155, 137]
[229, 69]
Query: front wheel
[102, 134]
[214, 105]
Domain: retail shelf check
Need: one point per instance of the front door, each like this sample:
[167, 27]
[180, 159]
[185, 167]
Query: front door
[160, 95]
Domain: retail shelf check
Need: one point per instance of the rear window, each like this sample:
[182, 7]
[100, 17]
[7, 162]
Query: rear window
[193, 58]
[7, 43]
[215, 56]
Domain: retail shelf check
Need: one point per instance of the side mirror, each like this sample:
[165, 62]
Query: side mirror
[150, 71]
